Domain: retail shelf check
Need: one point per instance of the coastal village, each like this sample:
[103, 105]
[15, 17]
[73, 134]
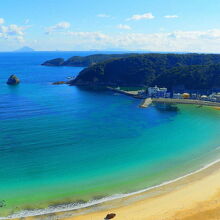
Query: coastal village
[162, 95]
[156, 92]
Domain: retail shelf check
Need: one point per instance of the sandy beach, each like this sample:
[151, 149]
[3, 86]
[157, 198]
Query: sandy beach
[195, 197]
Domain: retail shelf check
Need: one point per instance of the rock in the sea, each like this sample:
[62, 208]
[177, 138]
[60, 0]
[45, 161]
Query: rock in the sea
[13, 80]
[59, 83]
[110, 216]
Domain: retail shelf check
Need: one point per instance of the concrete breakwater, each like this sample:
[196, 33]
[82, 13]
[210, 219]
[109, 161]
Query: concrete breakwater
[185, 101]
[145, 103]
[129, 93]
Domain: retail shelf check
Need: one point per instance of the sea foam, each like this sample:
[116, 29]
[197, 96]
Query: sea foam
[76, 206]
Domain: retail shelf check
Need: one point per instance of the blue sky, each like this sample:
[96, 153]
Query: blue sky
[155, 25]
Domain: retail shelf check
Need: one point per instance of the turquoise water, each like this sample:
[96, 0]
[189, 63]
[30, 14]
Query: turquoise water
[62, 144]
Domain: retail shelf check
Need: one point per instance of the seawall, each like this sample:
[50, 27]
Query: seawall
[145, 103]
[185, 101]
[129, 93]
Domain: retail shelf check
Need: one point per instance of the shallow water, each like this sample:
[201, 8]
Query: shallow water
[62, 144]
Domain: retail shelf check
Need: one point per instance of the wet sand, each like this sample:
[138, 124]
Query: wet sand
[195, 197]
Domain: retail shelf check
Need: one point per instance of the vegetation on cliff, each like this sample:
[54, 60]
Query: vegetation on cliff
[191, 71]
[79, 61]
[54, 62]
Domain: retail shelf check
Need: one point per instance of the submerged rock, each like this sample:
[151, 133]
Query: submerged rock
[110, 216]
[13, 80]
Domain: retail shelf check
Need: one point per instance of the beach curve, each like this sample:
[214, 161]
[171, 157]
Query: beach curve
[125, 203]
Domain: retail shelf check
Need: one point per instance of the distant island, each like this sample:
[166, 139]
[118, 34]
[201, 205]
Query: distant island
[85, 61]
[25, 49]
[188, 71]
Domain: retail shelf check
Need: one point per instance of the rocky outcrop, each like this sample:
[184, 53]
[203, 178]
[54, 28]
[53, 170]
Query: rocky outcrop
[54, 62]
[110, 216]
[59, 83]
[13, 80]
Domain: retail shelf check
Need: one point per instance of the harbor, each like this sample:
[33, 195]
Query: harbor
[161, 95]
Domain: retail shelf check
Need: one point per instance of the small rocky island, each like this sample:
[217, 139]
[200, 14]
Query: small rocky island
[13, 80]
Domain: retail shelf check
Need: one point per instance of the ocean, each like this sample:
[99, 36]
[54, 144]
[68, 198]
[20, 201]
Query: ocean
[64, 146]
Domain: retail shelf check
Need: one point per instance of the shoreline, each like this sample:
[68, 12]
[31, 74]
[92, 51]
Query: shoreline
[126, 200]
[93, 205]
[186, 101]
[187, 199]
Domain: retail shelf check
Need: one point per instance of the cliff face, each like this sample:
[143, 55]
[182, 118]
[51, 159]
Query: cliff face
[193, 71]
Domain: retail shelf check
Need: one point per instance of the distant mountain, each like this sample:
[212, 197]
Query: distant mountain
[25, 49]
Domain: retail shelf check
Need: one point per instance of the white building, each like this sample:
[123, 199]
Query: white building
[157, 92]
[204, 97]
[168, 95]
[177, 96]
[217, 97]
[152, 91]
[194, 96]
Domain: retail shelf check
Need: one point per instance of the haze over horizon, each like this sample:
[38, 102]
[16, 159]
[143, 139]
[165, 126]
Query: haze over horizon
[174, 26]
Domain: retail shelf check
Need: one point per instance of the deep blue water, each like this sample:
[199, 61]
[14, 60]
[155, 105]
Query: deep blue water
[61, 144]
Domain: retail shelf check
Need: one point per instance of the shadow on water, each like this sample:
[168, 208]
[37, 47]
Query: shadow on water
[13, 89]
[92, 88]
[164, 108]
[91, 91]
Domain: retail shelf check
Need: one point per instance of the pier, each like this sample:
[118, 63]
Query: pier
[129, 93]
[145, 103]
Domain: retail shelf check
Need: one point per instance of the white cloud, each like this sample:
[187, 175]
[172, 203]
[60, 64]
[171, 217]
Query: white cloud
[58, 27]
[141, 16]
[103, 16]
[2, 21]
[88, 35]
[124, 27]
[12, 31]
[212, 34]
[171, 16]
[3, 29]
[20, 39]
[191, 41]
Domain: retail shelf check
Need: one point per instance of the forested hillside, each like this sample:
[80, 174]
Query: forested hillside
[84, 61]
[193, 71]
